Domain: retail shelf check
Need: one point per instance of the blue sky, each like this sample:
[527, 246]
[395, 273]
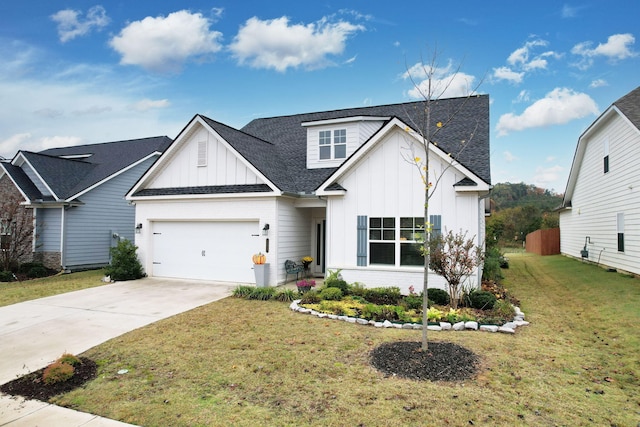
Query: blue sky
[79, 71]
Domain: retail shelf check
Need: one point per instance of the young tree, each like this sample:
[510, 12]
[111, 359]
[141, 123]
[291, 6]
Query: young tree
[16, 233]
[454, 257]
[430, 89]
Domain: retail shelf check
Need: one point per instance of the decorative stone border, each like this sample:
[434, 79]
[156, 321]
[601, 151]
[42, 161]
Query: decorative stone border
[507, 328]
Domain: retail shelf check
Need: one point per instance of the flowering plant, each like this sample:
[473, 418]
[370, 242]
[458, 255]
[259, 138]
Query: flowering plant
[306, 261]
[305, 285]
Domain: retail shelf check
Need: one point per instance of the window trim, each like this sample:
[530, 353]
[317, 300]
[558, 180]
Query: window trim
[327, 140]
[399, 241]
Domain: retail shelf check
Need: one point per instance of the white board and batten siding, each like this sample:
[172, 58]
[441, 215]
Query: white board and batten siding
[598, 198]
[203, 160]
[384, 184]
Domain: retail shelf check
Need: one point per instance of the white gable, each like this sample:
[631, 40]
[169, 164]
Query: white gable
[358, 130]
[202, 159]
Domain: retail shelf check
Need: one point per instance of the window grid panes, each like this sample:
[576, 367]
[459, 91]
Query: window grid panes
[396, 241]
[333, 149]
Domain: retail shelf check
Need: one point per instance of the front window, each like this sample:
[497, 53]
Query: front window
[335, 148]
[393, 242]
[5, 235]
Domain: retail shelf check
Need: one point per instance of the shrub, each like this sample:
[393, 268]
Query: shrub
[357, 289]
[25, 267]
[69, 359]
[310, 297]
[262, 294]
[339, 284]
[412, 302]
[6, 276]
[504, 309]
[37, 271]
[438, 296]
[285, 295]
[492, 264]
[331, 294]
[57, 372]
[482, 300]
[242, 291]
[372, 312]
[124, 262]
[383, 296]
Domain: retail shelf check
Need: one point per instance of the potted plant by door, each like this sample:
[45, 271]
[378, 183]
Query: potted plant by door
[261, 269]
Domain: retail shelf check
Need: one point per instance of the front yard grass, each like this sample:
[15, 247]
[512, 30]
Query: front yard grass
[15, 292]
[254, 363]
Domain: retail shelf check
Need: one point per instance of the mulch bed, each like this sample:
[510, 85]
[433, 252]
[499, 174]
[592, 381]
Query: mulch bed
[443, 361]
[31, 386]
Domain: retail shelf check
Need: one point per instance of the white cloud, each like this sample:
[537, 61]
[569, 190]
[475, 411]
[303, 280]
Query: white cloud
[277, 44]
[559, 106]
[70, 24]
[445, 81]
[164, 44]
[59, 141]
[10, 145]
[509, 157]
[520, 56]
[617, 47]
[506, 73]
[148, 104]
[523, 96]
[598, 83]
[569, 11]
[545, 176]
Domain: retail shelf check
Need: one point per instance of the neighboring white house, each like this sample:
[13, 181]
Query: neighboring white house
[600, 214]
[333, 185]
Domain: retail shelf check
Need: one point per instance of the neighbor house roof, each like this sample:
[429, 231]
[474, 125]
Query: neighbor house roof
[289, 137]
[69, 171]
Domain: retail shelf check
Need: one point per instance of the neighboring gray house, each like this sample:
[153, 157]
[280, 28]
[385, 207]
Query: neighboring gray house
[333, 185]
[76, 195]
[600, 214]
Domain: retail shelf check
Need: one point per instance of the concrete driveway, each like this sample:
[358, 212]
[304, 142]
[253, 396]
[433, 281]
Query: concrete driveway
[35, 333]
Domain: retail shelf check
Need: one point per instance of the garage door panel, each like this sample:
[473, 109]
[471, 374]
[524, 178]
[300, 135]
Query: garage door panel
[205, 250]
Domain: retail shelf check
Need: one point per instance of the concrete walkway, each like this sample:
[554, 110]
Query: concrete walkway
[35, 333]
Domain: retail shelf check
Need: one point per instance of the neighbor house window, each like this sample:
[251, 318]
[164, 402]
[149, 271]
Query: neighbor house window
[394, 241]
[5, 235]
[333, 148]
[620, 226]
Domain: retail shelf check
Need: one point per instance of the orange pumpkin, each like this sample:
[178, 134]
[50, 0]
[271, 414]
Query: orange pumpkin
[259, 258]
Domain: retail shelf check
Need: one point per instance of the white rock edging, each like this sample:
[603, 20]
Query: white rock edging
[507, 328]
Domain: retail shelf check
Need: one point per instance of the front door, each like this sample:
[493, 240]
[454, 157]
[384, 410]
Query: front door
[317, 267]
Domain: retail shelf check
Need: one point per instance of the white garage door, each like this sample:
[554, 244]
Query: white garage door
[205, 250]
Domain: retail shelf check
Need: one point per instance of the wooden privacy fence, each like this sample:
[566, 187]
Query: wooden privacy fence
[544, 242]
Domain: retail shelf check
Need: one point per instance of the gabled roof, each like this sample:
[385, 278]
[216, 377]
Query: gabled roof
[69, 171]
[290, 138]
[627, 106]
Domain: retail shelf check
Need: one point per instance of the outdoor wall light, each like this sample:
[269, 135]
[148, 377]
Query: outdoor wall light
[138, 228]
[265, 230]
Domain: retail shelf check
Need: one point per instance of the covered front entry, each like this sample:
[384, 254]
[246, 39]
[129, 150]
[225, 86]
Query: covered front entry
[205, 250]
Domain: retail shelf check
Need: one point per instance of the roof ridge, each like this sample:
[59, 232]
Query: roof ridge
[105, 143]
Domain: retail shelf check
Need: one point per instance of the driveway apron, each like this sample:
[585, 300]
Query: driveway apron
[35, 333]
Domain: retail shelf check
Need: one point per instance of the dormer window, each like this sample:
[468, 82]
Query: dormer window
[333, 148]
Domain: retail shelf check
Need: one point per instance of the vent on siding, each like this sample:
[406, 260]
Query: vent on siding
[202, 153]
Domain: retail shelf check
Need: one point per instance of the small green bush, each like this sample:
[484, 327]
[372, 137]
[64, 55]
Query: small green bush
[37, 271]
[339, 284]
[438, 296]
[372, 312]
[25, 267]
[6, 276]
[412, 302]
[242, 291]
[383, 296]
[69, 359]
[493, 261]
[57, 372]
[504, 309]
[310, 297]
[331, 294]
[357, 289]
[124, 262]
[285, 295]
[482, 300]
[262, 294]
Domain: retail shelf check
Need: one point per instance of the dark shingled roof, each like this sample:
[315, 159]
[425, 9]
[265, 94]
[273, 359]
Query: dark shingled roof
[211, 189]
[68, 177]
[22, 181]
[281, 152]
[630, 106]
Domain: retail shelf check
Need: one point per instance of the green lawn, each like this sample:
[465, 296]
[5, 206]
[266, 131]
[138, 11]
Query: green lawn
[15, 292]
[251, 363]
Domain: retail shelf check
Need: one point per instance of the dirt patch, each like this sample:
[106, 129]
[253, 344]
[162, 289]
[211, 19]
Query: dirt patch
[443, 361]
[31, 386]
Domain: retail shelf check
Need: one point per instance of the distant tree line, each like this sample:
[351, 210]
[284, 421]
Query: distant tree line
[519, 209]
